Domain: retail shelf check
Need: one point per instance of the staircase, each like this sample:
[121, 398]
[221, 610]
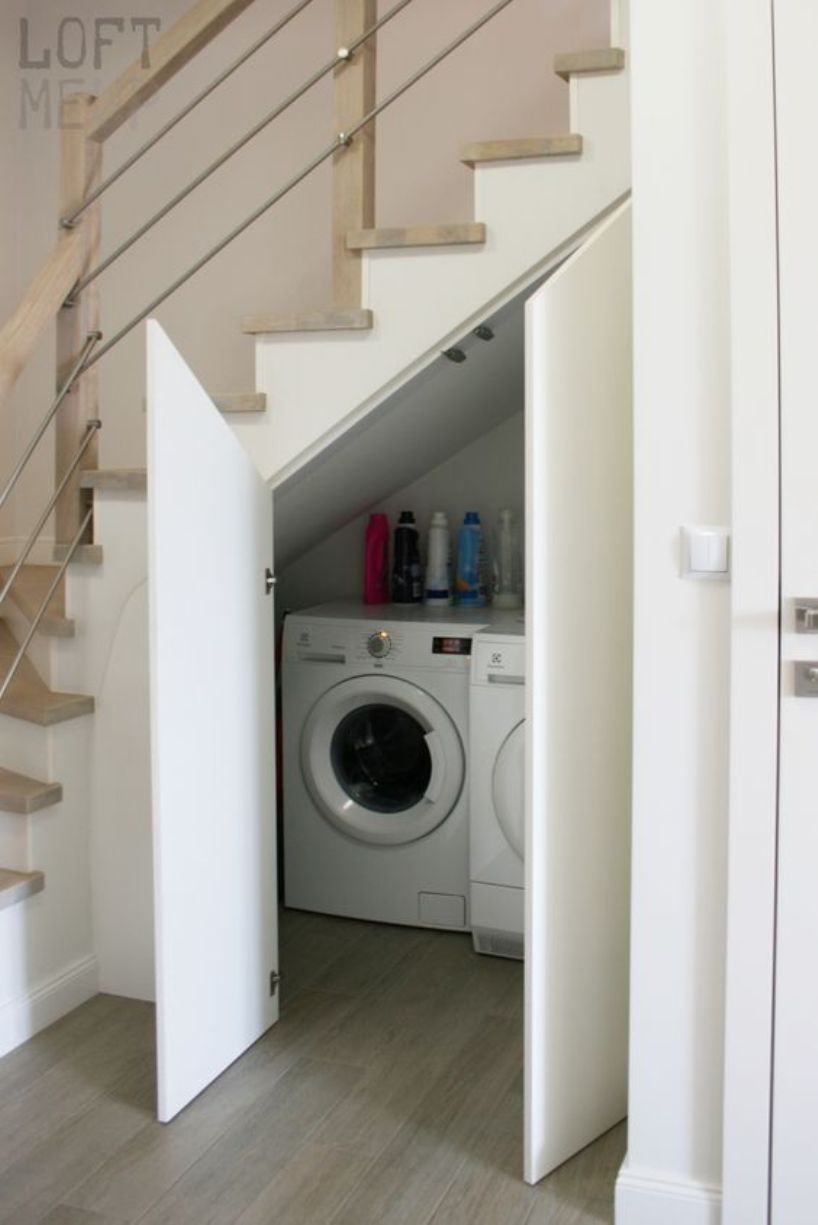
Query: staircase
[402, 296]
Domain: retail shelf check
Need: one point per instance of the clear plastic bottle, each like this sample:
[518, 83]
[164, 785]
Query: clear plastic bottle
[508, 562]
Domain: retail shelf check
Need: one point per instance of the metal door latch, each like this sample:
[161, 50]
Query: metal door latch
[275, 979]
[806, 679]
[806, 617]
[269, 580]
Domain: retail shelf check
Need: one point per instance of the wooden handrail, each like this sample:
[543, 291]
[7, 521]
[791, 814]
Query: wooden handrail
[168, 55]
[41, 303]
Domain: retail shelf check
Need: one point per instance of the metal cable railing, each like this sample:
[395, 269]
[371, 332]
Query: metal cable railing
[91, 353]
[341, 56]
[71, 220]
[43, 609]
[91, 341]
[90, 431]
[341, 141]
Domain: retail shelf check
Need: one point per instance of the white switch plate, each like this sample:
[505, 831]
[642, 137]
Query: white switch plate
[705, 553]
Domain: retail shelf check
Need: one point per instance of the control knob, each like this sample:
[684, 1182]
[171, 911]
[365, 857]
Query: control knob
[379, 645]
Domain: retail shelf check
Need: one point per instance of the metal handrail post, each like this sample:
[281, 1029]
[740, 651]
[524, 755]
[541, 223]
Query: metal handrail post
[41, 611]
[91, 430]
[93, 339]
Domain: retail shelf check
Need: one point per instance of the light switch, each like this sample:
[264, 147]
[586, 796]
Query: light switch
[705, 552]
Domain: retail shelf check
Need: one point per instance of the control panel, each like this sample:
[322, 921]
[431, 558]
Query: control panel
[373, 646]
[499, 661]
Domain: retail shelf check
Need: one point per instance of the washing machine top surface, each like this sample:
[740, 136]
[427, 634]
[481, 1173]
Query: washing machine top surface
[350, 612]
[503, 624]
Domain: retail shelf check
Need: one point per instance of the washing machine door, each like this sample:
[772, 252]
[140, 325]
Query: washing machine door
[382, 759]
[508, 788]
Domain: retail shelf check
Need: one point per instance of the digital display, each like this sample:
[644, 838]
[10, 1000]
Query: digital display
[451, 646]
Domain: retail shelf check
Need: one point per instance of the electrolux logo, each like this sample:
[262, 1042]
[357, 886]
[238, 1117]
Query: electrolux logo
[74, 46]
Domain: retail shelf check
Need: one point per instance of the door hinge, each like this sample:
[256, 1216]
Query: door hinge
[269, 580]
[275, 979]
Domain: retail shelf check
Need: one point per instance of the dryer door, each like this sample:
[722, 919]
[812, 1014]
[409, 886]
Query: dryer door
[382, 759]
[508, 788]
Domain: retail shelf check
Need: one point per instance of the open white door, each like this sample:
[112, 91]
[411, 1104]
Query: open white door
[578, 748]
[212, 734]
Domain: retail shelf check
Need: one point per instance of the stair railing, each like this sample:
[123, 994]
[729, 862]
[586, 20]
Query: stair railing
[66, 287]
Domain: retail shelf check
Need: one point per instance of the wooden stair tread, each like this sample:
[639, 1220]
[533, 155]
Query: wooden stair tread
[522, 147]
[88, 554]
[17, 886]
[310, 321]
[605, 59]
[29, 698]
[241, 402]
[446, 235]
[132, 479]
[24, 795]
[30, 589]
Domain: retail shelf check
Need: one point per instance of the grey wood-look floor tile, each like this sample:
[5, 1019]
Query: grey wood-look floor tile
[141, 1172]
[318, 944]
[20, 1068]
[552, 1208]
[308, 1189]
[488, 1187]
[40, 1109]
[236, 1169]
[406, 997]
[412, 1052]
[391, 1096]
[64, 1214]
[34, 1184]
[407, 1180]
[364, 965]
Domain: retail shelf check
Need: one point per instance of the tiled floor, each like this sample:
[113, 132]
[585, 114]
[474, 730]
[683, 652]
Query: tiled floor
[390, 1093]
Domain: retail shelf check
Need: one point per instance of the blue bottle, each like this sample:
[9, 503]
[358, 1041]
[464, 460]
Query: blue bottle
[470, 583]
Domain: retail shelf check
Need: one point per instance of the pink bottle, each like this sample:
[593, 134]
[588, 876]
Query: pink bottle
[376, 561]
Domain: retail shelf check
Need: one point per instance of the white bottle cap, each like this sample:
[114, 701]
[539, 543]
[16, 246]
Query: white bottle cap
[439, 519]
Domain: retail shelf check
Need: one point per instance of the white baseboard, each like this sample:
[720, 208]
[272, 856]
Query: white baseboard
[649, 1199]
[28, 1014]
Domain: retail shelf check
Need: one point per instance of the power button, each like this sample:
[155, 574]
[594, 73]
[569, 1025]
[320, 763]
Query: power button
[379, 645]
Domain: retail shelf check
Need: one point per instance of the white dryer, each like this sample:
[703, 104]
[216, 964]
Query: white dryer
[375, 712]
[497, 788]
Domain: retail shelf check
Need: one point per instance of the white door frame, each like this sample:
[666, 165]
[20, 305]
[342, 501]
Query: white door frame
[751, 896]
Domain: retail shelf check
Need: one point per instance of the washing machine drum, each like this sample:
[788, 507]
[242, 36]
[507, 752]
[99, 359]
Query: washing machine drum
[382, 759]
[508, 788]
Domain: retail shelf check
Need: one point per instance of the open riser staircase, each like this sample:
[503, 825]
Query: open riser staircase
[402, 296]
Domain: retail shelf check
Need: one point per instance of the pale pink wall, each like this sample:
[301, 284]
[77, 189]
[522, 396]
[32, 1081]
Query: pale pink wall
[499, 85]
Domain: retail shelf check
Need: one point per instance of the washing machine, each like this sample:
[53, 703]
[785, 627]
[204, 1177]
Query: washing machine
[375, 723]
[497, 788]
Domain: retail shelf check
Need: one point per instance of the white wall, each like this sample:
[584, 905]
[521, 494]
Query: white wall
[682, 475]
[486, 476]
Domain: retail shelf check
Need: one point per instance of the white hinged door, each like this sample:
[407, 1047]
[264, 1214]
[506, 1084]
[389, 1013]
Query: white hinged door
[579, 539]
[212, 734]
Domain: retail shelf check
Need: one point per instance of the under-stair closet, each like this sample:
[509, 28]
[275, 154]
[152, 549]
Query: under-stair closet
[150, 608]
